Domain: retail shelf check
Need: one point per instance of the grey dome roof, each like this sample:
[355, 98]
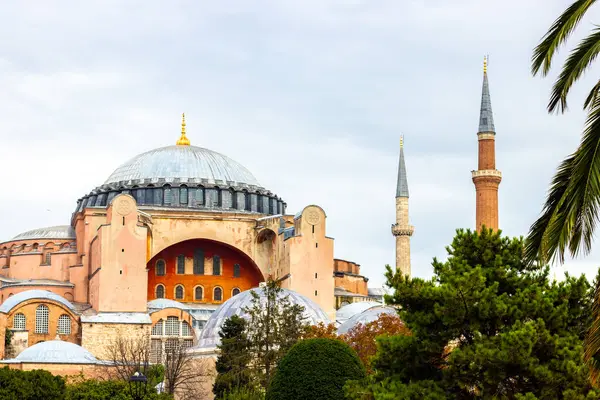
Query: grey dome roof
[159, 304]
[369, 315]
[350, 310]
[51, 232]
[18, 298]
[183, 162]
[209, 338]
[56, 352]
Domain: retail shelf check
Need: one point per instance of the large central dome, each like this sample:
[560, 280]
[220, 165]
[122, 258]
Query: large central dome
[185, 163]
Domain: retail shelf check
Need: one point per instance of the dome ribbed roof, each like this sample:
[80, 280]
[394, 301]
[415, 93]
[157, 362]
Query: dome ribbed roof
[183, 162]
[56, 352]
[51, 232]
[350, 310]
[209, 337]
[369, 315]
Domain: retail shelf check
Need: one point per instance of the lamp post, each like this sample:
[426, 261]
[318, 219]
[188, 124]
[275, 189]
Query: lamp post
[138, 381]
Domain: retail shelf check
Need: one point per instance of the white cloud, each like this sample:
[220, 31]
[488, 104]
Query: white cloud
[311, 96]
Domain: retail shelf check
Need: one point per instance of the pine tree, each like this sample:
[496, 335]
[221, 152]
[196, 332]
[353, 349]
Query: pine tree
[274, 326]
[487, 325]
[234, 357]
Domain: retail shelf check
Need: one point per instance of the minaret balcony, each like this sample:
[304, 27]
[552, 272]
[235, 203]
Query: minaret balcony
[402, 230]
[486, 172]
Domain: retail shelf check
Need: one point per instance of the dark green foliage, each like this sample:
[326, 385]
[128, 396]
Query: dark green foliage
[244, 394]
[488, 325]
[234, 357]
[30, 385]
[315, 369]
[91, 389]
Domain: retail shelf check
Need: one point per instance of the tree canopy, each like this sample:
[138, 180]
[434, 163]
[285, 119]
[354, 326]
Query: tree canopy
[488, 324]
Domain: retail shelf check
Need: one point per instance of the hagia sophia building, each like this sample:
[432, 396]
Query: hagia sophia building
[170, 245]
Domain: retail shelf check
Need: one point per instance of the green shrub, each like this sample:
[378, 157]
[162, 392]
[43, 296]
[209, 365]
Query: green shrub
[243, 394]
[315, 369]
[30, 385]
[91, 389]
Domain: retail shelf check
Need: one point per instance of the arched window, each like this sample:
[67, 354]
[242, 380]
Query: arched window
[42, 314]
[149, 196]
[64, 325]
[179, 292]
[160, 292]
[181, 264]
[172, 326]
[235, 292]
[218, 294]
[219, 197]
[48, 258]
[160, 268]
[200, 196]
[186, 329]
[19, 321]
[183, 195]
[198, 293]
[198, 262]
[157, 329]
[248, 205]
[233, 195]
[158, 196]
[216, 265]
[236, 271]
[168, 195]
[259, 204]
[35, 247]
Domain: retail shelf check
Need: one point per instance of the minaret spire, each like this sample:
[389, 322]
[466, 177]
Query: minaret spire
[487, 178]
[183, 140]
[401, 229]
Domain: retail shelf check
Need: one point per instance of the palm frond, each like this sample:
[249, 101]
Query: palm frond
[592, 96]
[577, 62]
[572, 207]
[538, 247]
[557, 34]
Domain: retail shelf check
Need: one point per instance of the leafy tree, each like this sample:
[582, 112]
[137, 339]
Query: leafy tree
[274, 326]
[91, 389]
[234, 357]
[243, 393]
[315, 369]
[487, 325]
[571, 212]
[30, 385]
[362, 336]
[321, 330]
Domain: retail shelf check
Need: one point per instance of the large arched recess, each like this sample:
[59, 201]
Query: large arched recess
[249, 275]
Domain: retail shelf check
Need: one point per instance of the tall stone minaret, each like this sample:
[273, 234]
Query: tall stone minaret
[487, 178]
[401, 229]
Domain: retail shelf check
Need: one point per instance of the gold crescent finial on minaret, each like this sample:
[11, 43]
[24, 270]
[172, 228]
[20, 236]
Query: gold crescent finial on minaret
[183, 140]
[485, 62]
[401, 141]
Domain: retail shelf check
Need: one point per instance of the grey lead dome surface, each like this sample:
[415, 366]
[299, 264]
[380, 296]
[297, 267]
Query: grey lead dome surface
[184, 162]
[51, 232]
[56, 352]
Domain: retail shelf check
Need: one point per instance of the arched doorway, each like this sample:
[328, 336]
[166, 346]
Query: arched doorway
[200, 271]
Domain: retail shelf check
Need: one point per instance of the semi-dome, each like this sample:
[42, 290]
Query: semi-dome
[36, 294]
[160, 304]
[209, 338]
[56, 352]
[350, 310]
[183, 162]
[369, 315]
[51, 232]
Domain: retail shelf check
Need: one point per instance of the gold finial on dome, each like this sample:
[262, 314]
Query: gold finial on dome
[183, 140]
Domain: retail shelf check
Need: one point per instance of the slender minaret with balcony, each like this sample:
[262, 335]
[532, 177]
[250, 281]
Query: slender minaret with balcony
[487, 178]
[401, 229]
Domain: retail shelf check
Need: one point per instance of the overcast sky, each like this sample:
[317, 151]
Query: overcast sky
[311, 96]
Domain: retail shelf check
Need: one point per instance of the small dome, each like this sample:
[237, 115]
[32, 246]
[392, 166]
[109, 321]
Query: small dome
[51, 232]
[159, 304]
[369, 315]
[56, 352]
[209, 337]
[350, 310]
[183, 162]
[18, 298]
